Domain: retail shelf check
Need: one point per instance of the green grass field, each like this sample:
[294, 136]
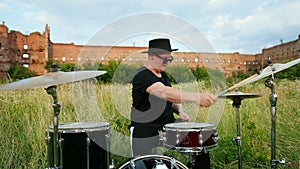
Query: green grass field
[26, 114]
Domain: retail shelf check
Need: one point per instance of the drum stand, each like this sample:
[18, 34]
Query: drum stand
[236, 103]
[51, 90]
[273, 100]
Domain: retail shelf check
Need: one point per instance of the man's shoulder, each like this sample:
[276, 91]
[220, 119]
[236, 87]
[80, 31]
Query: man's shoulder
[142, 71]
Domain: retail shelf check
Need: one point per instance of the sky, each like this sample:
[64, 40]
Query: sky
[245, 26]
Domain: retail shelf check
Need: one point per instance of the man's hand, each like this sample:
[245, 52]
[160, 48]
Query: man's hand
[184, 117]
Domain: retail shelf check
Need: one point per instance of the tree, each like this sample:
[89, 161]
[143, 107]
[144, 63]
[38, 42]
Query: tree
[180, 74]
[110, 69]
[68, 67]
[200, 73]
[292, 73]
[124, 73]
[17, 72]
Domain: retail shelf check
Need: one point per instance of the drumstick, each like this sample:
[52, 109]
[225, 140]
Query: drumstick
[237, 85]
[242, 82]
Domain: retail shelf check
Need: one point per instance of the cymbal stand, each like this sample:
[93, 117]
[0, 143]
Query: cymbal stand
[51, 90]
[273, 101]
[236, 103]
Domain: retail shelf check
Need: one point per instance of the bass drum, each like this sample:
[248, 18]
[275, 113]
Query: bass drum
[153, 162]
[82, 145]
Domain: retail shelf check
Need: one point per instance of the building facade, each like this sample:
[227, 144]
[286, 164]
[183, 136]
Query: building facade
[34, 50]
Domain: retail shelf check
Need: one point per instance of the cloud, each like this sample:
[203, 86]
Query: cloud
[233, 25]
[264, 24]
[4, 6]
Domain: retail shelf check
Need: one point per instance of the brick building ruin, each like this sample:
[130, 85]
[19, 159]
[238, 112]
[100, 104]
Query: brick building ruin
[34, 50]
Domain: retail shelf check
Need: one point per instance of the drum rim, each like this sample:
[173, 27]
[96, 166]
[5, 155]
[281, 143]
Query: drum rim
[192, 149]
[79, 127]
[192, 126]
[151, 156]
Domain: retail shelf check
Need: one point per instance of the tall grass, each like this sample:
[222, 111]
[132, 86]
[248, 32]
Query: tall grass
[26, 114]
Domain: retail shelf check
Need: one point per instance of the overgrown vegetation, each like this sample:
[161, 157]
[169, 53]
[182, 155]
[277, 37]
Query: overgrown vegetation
[26, 114]
[18, 72]
[177, 73]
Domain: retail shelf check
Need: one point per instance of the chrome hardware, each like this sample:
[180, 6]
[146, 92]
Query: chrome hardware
[200, 138]
[61, 146]
[177, 137]
[88, 143]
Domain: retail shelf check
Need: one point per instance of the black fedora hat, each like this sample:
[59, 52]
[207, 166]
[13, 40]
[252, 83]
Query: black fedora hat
[160, 45]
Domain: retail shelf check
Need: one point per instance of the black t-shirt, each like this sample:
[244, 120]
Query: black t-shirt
[149, 110]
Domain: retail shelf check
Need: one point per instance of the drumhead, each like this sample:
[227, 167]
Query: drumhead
[189, 125]
[76, 127]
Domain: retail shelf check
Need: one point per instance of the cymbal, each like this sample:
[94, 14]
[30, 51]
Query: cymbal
[272, 69]
[239, 95]
[51, 78]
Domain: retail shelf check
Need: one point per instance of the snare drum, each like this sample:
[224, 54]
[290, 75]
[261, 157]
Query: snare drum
[190, 136]
[153, 162]
[82, 145]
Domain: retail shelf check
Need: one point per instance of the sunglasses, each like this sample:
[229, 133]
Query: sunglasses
[165, 60]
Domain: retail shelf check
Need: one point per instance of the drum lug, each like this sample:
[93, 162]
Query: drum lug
[61, 145]
[47, 139]
[132, 164]
[160, 164]
[177, 137]
[173, 163]
[88, 143]
[216, 137]
[107, 139]
[162, 137]
[200, 139]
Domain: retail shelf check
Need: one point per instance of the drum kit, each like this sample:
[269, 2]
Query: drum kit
[87, 144]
